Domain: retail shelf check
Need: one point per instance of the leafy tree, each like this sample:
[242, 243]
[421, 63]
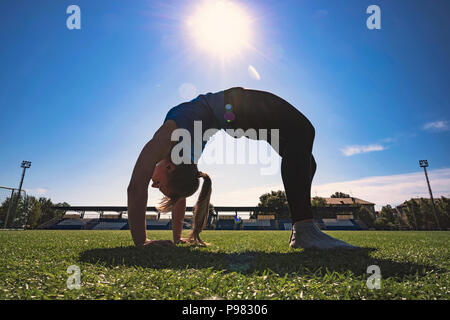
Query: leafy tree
[31, 211]
[382, 223]
[318, 202]
[340, 195]
[420, 214]
[366, 216]
[443, 212]
[4, 210]
[276, 201]
[388, 218]
[388, 213]
[413, 214]
[35, 213]
[426, 208]
[18, 218]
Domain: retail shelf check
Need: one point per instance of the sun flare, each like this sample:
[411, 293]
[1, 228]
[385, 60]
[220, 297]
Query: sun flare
[220, 28]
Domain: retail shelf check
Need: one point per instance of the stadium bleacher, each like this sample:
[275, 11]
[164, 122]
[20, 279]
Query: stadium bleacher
[90, 223]
[337, 224]
[222, 224]
[162, 224]
[72, 215]
[69, 224]
[107, 225]
[360, 224]
[283, 224]
[252, 224]
[226, 224]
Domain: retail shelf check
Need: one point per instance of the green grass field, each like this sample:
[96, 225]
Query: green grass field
[237, 265]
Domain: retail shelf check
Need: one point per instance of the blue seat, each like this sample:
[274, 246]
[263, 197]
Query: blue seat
[225, 225]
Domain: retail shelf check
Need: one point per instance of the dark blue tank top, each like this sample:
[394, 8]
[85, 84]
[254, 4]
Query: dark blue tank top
[208, 108]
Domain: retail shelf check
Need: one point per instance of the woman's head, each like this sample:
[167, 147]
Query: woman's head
[175, 181]
[161, 174]
[182, 181]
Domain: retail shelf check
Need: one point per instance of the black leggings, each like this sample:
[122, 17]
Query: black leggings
[264, 110]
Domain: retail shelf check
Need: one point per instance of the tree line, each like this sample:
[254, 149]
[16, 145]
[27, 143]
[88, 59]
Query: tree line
[30, 212]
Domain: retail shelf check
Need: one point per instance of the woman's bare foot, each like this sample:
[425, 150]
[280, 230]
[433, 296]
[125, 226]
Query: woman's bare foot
[307, 235]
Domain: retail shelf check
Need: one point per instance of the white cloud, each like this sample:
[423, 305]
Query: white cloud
[441, 125]
[352, 150]
[37, 191]
[242, 197]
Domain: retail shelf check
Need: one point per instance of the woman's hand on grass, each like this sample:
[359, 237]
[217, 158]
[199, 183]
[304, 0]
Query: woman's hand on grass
[184, 240]
[165, 243]
[192, 241]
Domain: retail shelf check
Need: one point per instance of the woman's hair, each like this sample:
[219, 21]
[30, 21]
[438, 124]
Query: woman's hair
[184, 182]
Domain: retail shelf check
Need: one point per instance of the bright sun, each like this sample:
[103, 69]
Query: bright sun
[220, 28]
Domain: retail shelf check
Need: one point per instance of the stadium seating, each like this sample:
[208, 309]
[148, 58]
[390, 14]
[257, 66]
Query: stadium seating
[336, 224]
[72, 215]
[252, 224]
[283, 224]
[106, 225]
[89, 224]
[162, 224]
[359, 225]
[225, 224]
[69, 224]
[273, 224]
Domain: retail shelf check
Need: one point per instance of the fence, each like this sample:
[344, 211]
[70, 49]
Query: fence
[12, 203]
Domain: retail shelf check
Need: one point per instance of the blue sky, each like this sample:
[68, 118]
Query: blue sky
[81, 104]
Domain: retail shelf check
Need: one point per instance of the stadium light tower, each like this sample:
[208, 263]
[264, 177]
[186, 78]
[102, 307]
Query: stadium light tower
[25, 165]
[424, 165]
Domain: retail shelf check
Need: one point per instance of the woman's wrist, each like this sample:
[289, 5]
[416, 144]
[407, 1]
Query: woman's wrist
[141, 244]
[176, 238]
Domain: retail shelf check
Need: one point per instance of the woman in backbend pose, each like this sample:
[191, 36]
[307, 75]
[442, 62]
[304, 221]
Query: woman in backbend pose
[235, 108]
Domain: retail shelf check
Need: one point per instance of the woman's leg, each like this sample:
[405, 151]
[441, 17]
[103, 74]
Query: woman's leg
[297, 170]
[264, 110]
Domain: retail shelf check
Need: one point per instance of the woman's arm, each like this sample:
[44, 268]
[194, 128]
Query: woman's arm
[138, 191]
[178, 213]
[154, 151]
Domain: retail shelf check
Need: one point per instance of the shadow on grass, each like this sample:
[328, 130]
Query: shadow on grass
[296, 262]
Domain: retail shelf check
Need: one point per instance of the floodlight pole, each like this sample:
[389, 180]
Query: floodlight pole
[23, 175]
[424, 165]
[25, 165]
